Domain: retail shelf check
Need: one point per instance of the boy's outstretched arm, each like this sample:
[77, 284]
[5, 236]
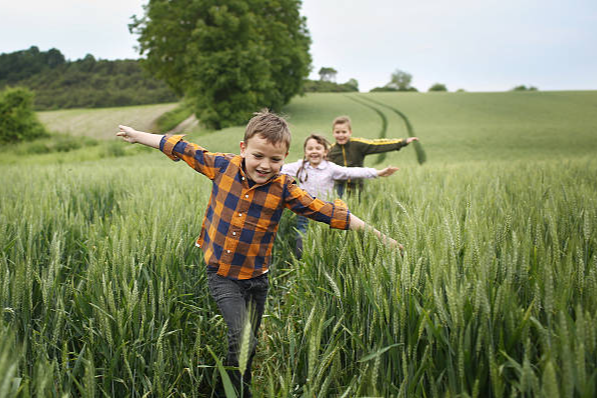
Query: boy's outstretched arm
[356, 224]
[133, 136]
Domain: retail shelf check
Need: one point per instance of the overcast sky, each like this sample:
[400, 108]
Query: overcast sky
[476, 45]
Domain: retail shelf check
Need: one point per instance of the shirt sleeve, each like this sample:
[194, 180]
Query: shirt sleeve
[198, 158]
[381, 145]
[335, 214]
[345, 173]
[291, 168]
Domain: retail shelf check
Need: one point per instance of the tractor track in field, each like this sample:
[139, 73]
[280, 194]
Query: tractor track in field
[384, 124]
[421, 156]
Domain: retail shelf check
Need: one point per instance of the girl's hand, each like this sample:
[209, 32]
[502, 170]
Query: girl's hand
[127, 133]
[411, 139]
[388, 171]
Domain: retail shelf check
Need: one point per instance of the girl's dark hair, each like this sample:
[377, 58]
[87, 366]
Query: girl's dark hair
[320, 140]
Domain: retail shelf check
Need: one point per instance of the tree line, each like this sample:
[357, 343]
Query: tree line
[83, 83]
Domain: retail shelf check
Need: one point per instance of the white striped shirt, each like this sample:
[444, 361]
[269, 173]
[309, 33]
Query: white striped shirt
[320, 180]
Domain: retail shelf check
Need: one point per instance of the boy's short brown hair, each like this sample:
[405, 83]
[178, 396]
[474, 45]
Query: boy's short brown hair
[271, 127]
[342, 120]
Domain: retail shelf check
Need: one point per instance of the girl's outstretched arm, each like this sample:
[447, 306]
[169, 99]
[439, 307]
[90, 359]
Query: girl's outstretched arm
[388, 171]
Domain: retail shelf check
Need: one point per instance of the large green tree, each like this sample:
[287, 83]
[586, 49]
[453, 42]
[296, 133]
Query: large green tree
[228, 58]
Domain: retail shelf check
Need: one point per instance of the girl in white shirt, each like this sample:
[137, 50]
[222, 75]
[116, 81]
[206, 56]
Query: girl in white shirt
[316, 175]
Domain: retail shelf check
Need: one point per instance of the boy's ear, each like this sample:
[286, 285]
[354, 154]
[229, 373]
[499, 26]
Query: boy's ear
[243, 147]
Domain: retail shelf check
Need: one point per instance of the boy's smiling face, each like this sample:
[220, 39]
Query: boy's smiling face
[263, 159]
[342, 133]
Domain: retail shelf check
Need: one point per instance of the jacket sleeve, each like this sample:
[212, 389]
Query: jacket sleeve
[368, 147]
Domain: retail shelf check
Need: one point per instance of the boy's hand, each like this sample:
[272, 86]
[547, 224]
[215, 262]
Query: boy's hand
[388, 171]
[411, 139]
[401, 248]
[127, 133]
[394, 245]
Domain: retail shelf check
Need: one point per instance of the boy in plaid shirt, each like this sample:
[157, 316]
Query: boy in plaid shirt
[247, 199]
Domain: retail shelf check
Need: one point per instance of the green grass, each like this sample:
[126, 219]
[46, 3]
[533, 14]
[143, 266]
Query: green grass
[453, 127]
[173, 118]
[102, 123]
[104, 294]
[468, 126]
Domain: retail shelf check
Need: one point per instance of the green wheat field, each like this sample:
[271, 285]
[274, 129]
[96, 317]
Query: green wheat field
[103, 293]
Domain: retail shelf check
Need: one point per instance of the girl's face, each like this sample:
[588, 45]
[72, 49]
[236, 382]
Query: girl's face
[315, 152]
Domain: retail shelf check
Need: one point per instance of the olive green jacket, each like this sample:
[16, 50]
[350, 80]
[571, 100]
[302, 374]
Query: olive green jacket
[352, 154]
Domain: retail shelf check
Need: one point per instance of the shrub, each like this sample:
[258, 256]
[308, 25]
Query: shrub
[173, 118]
[525, 88]
[113, 149]
[50, 144]
[320, 86]
[35, 148]
[18, 122]
[392, 88]
[438, 87]
[66, 144]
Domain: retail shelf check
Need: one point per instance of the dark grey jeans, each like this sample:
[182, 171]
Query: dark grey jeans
[239, 301]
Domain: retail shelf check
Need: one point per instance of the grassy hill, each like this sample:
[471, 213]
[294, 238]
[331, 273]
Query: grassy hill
[453, 127]
[102, 123]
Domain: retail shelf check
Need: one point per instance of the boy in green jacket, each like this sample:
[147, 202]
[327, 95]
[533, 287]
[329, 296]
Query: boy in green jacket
[350, 151]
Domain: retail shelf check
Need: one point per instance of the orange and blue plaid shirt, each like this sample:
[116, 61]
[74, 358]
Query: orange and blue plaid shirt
[242, 219]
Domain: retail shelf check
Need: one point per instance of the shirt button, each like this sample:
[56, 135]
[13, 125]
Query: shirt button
[240, 214]
[227, 251]
[242, 178]
[246, 196]
[234, 233]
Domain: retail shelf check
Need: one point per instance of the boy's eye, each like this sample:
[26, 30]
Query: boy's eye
[258, 156]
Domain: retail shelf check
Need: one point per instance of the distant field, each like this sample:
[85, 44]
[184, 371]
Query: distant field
[466, 126]
[453, 127]
[102, 123]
